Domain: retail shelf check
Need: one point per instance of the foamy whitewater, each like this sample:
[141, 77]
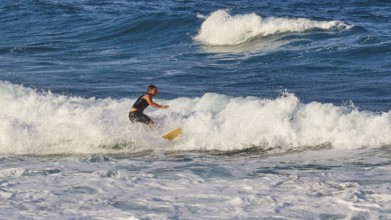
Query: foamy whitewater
[284, 106]
[74, 125]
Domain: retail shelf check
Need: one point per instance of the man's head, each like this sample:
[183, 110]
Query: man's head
[152, 89]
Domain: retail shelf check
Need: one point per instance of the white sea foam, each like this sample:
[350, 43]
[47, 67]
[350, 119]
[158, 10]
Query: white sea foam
[221, 28]
[332, 184]
[45, 123]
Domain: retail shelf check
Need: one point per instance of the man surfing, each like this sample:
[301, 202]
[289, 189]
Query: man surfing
[136, 112]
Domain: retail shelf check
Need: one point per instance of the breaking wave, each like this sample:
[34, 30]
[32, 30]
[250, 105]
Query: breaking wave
[221, 28]
[36, 122]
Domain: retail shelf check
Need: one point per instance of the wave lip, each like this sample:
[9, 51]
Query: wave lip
[220, 28]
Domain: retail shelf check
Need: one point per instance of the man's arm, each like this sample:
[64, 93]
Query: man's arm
[148, 97]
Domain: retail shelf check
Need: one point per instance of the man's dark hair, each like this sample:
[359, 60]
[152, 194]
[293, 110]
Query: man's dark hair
[151, 87]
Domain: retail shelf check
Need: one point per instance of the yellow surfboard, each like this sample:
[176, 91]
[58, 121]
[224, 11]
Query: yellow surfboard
[172, 134]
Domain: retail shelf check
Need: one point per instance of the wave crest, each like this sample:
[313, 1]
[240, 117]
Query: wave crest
[221, 28]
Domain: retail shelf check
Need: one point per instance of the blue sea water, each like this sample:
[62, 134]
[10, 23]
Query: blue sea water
[284, 105]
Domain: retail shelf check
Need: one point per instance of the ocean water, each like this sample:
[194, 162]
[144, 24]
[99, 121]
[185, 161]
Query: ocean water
[284, 106]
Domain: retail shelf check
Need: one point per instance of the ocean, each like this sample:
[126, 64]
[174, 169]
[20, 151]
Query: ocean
[284, 106]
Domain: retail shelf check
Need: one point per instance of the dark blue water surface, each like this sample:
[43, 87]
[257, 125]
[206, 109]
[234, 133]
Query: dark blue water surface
[117, 48]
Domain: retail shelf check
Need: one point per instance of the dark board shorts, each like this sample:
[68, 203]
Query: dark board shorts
[139, 117]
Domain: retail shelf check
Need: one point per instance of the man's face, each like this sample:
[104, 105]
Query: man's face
[154, 91]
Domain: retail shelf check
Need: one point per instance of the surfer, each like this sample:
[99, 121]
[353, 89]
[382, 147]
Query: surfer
[136, 112]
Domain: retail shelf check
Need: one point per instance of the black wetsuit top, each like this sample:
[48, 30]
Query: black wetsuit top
[141, 104]
[138, 116]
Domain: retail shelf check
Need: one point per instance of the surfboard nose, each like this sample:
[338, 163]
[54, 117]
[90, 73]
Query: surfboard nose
[172, 134]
